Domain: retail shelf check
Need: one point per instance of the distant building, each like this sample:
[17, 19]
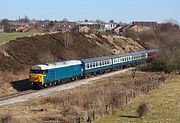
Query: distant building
[85, 29]
[117, 29]
[1, 28]
[145, 23]
[54, 26]
[95, 27]
[132, 27]
[14, 24]
[110, 26]
[24, 28]
[136, 28]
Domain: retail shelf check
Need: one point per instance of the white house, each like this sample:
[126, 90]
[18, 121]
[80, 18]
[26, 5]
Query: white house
[110, 26]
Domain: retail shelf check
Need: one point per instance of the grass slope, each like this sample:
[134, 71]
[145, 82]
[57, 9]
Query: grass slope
[5, 37]
[163, 105]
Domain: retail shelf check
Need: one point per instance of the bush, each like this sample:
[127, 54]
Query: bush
[142, 110]
[167, 61]
[6, 118]
[147, 35]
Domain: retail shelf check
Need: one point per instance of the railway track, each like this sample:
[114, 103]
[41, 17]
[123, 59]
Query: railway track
[16, 95]
[29, 94]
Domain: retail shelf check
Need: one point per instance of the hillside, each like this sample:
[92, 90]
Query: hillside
[18, 55]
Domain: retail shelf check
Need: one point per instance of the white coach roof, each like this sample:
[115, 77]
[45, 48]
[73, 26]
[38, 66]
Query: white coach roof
[56, 65]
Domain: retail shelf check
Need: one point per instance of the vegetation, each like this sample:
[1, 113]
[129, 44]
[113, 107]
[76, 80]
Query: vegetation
[165, 37]
[5, 118]
[169, 57]
[163, 105]
[142, 110]
[87, 103]
[6, 37]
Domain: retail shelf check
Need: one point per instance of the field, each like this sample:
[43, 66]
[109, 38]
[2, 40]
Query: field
[163, 104]
[6, 37]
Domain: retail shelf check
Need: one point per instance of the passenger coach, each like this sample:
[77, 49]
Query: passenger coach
[96, 64]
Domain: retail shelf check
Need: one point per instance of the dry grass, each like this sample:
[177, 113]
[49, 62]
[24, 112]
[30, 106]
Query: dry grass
[87, 103]
[7, 118]
[163, 106]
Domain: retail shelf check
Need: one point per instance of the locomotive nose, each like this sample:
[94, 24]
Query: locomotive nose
[35, 78]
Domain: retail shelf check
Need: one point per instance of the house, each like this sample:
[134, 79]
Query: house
[116, 30]
[23, 28]
[145, 24]
[1, 28]
[136, 28]
[110, 26]
[85, 29]
[54, 26]
[95, 27]
[132, 27]
[14, 24]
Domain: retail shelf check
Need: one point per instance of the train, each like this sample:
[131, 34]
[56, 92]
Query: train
[44, 75]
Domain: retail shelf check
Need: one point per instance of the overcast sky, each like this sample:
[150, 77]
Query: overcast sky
[118, 10]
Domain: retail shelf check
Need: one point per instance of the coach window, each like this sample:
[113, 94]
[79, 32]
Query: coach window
[114, 60]
[102, 62]
[90, 65]
[96, 64]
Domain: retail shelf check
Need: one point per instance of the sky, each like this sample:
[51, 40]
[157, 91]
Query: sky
[74, 10]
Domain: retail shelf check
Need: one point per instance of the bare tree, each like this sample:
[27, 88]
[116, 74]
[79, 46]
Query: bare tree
[68, 40]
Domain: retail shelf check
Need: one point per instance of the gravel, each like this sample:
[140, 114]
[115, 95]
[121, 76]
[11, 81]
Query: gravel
[59, 88]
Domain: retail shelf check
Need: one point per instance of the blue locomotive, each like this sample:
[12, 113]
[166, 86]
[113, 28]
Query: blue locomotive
[55, 73]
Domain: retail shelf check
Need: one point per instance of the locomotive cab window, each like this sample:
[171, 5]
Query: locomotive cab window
[38, 71]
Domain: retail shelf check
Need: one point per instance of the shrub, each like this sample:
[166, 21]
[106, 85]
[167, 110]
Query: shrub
[5, 118]
[142, 110]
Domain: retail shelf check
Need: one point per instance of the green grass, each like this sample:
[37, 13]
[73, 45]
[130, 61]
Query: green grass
[6, 37]
[163, 107]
